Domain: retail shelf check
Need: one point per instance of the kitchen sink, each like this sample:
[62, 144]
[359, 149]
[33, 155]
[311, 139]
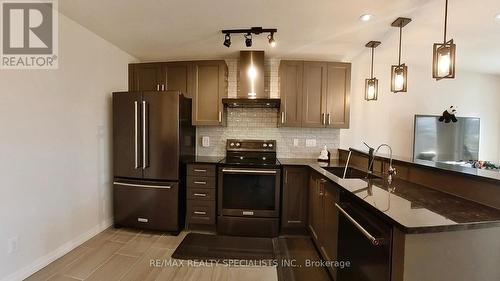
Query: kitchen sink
[350, 174]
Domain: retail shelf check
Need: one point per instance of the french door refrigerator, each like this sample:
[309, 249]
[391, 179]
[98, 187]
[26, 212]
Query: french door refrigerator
[152, 134]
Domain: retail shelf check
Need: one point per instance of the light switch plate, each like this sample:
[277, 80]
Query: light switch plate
[310, 142]
[205, 141]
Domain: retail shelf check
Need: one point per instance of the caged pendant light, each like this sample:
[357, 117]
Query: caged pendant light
[399, 73]
[443, 59]
[371, 84]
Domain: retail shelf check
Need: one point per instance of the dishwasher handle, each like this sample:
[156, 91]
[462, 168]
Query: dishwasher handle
[375, 241]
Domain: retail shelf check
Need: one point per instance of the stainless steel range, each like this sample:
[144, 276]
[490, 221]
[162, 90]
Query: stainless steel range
[249, 189]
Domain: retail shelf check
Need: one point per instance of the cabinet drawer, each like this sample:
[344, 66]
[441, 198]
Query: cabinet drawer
[205, 194]
[200, 212]
[202, 170]
[146, 206]
[201, 182]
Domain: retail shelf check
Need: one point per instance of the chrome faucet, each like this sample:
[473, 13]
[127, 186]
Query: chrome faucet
[391, 171]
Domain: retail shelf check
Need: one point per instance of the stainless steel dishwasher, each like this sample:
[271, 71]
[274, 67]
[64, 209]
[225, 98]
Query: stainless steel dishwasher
[365, 241]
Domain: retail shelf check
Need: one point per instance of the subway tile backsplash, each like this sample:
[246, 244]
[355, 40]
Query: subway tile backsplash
[261, 123]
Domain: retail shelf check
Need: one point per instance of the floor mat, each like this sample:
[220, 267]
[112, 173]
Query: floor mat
[202, 247]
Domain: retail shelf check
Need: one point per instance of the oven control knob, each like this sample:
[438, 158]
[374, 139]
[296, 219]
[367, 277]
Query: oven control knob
[270, 145]
[264, 145]
[237, 144]
[231, 144]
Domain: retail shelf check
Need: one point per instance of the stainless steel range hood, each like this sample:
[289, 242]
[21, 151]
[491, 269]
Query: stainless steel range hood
[251, 83]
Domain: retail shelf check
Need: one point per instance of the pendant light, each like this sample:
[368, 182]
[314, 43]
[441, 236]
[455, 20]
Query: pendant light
[399, 73]
[443, 61]
[371, 84]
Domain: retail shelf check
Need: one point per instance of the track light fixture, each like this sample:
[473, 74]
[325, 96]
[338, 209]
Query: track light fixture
[227, 40]
[399, 73]
[443, 59]
[371, 84]
[248, 35]
[272, 42]
[248, 39]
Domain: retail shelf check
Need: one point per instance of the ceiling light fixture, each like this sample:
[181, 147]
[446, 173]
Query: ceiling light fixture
[371, 84]
[248, 39]
[497, 17]
[399, 73]
[365, 17]
[443, 59]
[227, 40]
[248, 35]
[272, 42]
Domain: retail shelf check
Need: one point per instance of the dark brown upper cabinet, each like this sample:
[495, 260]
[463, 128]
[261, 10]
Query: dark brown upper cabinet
[209, 87]
[314, 94]
[337, 95]
[146, 77]
[203, 81]
[290, 74]
[294, 208]
[179, 77]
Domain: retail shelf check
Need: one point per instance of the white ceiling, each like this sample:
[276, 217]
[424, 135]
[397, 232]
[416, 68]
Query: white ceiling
[153, 30]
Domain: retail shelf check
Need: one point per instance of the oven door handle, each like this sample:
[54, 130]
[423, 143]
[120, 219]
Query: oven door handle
[246, 171]
[373, 240]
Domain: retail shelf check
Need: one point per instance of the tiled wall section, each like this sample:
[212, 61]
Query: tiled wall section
[257, 123]
[261, 123]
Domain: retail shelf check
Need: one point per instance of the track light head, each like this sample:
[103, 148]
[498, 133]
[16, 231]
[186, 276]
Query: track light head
[227, 40]
[272, 42]
[248, 40]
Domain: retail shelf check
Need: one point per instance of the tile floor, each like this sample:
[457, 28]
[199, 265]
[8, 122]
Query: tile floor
[125, 254]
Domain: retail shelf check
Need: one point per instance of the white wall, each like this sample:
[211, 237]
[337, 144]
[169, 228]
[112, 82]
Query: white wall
[55, 163]
[390, 119]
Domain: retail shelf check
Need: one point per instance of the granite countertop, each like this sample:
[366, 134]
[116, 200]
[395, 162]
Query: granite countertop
[410, 207]
[482, 173]
[204, 159]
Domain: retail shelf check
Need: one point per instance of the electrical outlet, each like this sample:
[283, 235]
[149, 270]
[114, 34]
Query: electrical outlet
[295, 142]
[12, 245]
[310, 142]
[205, 141]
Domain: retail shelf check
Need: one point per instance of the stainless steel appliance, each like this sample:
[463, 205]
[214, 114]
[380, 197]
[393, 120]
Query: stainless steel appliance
[365, 241]
[249, 189]
[152, 132]
[441, 142]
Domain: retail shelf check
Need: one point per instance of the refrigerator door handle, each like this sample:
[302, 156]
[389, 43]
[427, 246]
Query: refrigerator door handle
[144, 136]
[142, 185]
[136, 135]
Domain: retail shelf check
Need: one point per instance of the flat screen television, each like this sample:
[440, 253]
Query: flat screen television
[444, 142]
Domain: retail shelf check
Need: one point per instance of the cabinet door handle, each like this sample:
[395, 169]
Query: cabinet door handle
[283, 117]
[200, 170]
[158, 87]
[373, 240]
[142, 220]
[163, 87]
[199, 213]
[220, 116]
[328, 119]
[136, 135]
[294, 221]
[323, 119]
[200, 182]
[200, 194]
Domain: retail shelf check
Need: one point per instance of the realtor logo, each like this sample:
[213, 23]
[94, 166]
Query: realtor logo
[29, 34]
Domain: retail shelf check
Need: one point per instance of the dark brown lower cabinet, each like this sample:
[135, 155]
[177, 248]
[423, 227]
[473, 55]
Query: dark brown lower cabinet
[146, 205]
[201, 196]
[294, 207]
[324, 218]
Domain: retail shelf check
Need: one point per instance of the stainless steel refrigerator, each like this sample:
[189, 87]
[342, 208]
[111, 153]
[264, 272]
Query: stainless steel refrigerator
[152, 134]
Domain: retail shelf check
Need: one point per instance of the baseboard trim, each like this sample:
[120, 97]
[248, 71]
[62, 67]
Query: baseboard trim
[67, 247]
